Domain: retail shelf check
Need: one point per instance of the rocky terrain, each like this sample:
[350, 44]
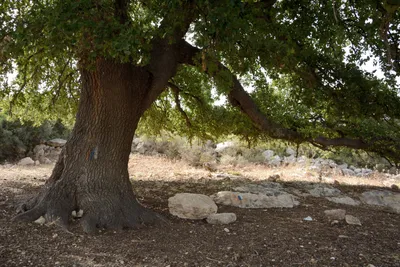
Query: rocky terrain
[253, 215]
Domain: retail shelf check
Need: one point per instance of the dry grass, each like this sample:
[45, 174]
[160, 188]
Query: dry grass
[161, 168]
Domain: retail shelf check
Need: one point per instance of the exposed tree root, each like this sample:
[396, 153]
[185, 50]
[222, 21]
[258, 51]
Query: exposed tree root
[110, 210]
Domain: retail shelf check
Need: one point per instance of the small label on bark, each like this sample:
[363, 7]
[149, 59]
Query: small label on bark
[94, 153]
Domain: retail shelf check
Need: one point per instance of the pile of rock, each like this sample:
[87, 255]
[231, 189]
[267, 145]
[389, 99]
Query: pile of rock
[317, 164]
[231, 149]
[274, 195]
[335, 216]
[198, 207]
[46, 153]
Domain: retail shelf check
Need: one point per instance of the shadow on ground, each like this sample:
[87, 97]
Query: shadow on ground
[260, 237]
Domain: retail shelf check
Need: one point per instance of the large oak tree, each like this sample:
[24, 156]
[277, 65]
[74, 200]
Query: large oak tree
[299, 60]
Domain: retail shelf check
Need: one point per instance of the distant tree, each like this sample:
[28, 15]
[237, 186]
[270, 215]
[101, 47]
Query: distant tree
[173, 58]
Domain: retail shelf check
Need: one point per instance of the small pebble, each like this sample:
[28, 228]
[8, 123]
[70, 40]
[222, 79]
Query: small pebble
[352, 220]
[334, 222]
[40, 221]
[226, 230]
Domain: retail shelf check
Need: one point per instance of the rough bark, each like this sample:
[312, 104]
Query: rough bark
[91, 173]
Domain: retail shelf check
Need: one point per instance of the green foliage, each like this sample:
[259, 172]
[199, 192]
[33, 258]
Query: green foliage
[17, 138]
[300, 60]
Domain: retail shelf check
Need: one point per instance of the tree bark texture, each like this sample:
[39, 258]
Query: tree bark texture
[91, 173]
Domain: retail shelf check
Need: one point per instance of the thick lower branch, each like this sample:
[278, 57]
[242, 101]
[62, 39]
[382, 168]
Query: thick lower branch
[238, 97]
[175, 90]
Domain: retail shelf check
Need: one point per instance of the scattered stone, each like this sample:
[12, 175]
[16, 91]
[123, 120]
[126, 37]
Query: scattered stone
[254, 201]
[26, 162]
[343, 236]
[266, 188]
[334, 222]
[344, 200]
[290, 151]
[225, 176]
[382, 198]
[222, 146]
[318, 190]
[308, 219]
[78, 214]
[39, 150]
[57, 142]
[348, 172]
[191, 206]
[336, 214]
[37, 163]
[41, 220]
[343, 166]
[289, 160]
[274, 177]
[226, 230]
[275, 161]
[352, 220]
[268, 154]
[44, 160]
[221, 218]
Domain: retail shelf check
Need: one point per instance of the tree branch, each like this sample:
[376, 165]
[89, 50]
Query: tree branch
[238, 97]
[165, 51]
[175, 90]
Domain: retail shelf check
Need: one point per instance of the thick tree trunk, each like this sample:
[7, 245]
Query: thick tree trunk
[91, 173]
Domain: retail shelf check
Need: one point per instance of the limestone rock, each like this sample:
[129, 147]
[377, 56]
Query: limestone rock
[343, 166]
[275, 161]
[38, 151]
[254, 201]
[352, 220]
[41, 220]
[266, 188]
[336, 214]
[221, 218]
[268, 154]
[289, 160]
[323, 191]
[78, 214]
[44, 160]
[191, 206]
[26, 161]
[382, 198]
[290, 151]
[222, 146]
[344, 200]
[57, 142]
[348, 172]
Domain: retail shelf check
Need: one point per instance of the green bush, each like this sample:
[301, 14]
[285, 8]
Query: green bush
[17, 138]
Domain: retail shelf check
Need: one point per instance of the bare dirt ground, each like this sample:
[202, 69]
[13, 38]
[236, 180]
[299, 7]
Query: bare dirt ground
[273, 237]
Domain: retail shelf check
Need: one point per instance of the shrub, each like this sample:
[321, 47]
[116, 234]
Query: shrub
[17, 138]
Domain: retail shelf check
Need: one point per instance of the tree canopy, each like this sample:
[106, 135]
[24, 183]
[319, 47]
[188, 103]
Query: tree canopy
[289, 69]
